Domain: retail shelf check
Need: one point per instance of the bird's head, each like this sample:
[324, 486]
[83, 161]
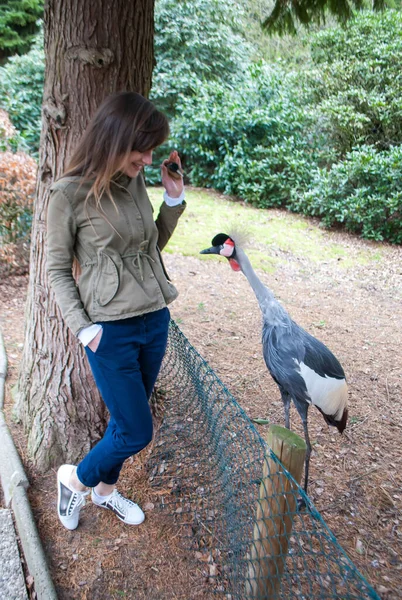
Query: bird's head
[224, 245]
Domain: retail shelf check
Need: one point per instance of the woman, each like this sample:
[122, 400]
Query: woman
[100, 215]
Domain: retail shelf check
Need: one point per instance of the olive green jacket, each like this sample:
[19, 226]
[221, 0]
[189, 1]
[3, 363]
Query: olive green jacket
[117, 247]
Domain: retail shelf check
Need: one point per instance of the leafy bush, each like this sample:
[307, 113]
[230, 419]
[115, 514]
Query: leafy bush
[17, 189]
[357, 87]
[21, 90]
[363, 193]
[267, 178]
[9, 136]
[200, 47]
[196, 41]
[256, 142]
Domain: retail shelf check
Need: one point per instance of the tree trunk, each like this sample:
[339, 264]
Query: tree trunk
[92, 49]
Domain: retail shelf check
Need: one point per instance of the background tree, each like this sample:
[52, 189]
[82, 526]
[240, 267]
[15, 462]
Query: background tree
[18, 26]
[203, 46]
[287, 14]
[92, 49]
[203, 42]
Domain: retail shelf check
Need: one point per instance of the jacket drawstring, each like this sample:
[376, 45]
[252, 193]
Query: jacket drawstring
[139, 256]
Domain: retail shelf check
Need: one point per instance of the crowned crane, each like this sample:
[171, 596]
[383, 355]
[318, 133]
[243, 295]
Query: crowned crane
[304, 369]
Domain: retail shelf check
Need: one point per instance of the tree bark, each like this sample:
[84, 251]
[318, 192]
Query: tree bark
[92, 49]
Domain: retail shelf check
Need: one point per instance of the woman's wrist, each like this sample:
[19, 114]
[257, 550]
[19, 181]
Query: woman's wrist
[87, 334]
[171, 201]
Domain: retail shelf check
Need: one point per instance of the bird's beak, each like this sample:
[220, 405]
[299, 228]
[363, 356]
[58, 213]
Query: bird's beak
[211, 250]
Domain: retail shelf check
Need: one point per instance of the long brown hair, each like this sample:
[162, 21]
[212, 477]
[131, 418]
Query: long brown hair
[123, 123]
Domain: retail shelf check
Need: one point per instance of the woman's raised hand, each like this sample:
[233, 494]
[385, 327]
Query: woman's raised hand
[173, 184]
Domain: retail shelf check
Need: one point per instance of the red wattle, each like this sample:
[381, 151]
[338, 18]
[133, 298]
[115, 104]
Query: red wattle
[234, 264]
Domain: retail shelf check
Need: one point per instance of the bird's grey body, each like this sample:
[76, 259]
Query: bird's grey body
[305, 370]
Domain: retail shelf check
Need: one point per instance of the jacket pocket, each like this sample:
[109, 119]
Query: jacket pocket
[107, 280]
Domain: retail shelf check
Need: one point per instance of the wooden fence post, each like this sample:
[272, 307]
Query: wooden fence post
[274, 515]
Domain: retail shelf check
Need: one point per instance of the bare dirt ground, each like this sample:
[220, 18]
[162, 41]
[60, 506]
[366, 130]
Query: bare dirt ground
[356, 480]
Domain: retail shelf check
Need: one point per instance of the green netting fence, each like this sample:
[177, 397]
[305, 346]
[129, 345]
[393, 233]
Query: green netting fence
[214, 475]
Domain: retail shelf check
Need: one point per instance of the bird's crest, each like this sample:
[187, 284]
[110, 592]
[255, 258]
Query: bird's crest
[240, 238]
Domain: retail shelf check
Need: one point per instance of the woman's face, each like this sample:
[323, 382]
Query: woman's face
[135, 162]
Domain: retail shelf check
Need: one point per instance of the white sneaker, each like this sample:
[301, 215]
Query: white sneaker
[69, 501]
[126, 510]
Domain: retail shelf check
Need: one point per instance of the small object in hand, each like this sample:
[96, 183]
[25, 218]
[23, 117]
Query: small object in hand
[174, 170]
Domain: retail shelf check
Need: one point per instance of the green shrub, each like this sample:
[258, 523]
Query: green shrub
[356, 85]
[21, 90]
[200, 48]
[363, 193]
[196, 41]
[269, 177]
[257, 142]
[10, 139]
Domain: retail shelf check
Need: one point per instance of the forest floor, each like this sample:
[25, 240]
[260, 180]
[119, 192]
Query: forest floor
[356, 478]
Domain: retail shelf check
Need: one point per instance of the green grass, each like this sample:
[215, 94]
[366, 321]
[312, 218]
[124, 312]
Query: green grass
[268, 232]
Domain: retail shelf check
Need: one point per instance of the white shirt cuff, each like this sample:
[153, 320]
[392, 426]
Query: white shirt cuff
[173, 201]
[87, 334]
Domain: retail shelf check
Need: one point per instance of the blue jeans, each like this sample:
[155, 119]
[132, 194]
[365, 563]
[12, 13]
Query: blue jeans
[125, 367]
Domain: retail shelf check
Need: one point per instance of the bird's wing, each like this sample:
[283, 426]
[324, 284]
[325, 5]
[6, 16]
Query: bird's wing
[319, 358]
[287, 353]
[283, 354]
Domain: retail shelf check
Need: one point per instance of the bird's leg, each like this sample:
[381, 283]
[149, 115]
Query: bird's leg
[301, 502]
[308, 453]
[286, 403]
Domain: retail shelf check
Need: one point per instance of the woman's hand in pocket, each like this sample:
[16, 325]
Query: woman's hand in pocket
[93, 344]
